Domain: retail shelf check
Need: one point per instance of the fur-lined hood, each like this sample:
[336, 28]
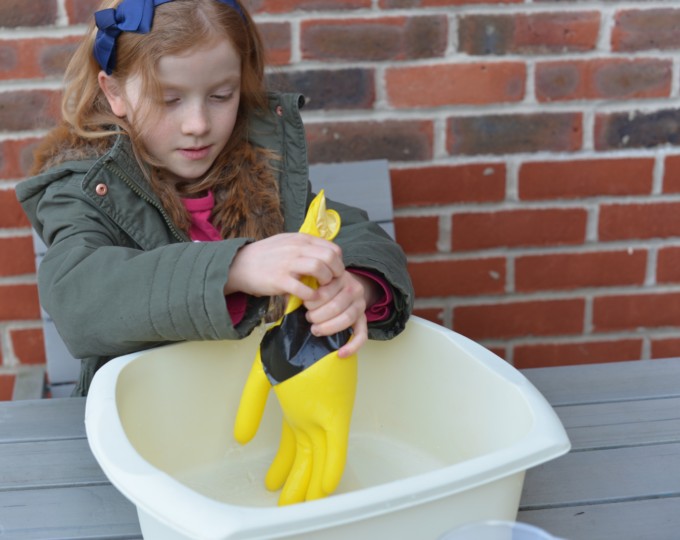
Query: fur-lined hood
[62, 144]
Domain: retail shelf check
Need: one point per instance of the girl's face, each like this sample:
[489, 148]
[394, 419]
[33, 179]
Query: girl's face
[201, 92]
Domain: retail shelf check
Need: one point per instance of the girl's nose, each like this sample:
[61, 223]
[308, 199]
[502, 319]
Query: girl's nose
[196, 121]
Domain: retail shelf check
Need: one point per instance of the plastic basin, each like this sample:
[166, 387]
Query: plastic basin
[442, 434]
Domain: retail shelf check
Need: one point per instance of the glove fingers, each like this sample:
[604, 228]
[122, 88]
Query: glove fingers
[283, 461]
[315, 490]
[295, 488]
[336, 457]
[253, 401]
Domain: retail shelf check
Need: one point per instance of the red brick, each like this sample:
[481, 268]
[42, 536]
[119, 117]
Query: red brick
[646, 29]
[435, 315]
[395, 140]
[638, 129]
[437, 185]
[516, 319]
[636, 311]
[668, 265]
[7, 386]
[277, 42]
[325, 89]
[286, 6]
[459, 277]
[671, 177]
[19, 302]
[665, 348]
[29, 345]
[16, 157]
[574, 270]
[585, 352]
[81, 11]
[514, 133]
[585, 178]
[16, 13]
[22, 259]
[11, 214]
[603, 79]
[417, 234]
[387, 38]
[396, 4]
[523, 227]
[29, 109]
[35, 58]
[455, 84]
[536, 33]
[628, 221]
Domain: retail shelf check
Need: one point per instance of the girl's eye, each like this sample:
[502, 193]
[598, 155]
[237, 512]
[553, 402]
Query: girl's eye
[169, 100]
[222, 97]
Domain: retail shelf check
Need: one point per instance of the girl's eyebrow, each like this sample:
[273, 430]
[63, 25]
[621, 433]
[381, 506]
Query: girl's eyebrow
[230, 80]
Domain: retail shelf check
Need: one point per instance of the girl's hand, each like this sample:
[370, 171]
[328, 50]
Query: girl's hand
[274, 266]
[341, 304]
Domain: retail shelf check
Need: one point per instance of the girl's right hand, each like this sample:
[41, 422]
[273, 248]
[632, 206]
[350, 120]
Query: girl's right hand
[274, 266]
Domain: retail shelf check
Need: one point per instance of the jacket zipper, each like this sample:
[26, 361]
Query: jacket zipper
[120, 174]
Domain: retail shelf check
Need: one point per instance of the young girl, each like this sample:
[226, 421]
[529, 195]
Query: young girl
[170, 194]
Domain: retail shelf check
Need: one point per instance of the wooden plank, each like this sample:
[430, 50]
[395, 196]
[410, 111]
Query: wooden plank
[85, 512]
[621, 423]
[48, 464]
[43, 419]
[597, 383]
[604, 476]
[657, 519]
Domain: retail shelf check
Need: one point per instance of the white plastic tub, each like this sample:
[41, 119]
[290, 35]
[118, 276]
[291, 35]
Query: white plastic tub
[442, 434]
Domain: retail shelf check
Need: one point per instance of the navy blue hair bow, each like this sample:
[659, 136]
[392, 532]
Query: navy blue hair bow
[129, 16]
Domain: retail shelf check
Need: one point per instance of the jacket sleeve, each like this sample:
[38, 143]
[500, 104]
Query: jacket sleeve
[367, 246]
[109, 297]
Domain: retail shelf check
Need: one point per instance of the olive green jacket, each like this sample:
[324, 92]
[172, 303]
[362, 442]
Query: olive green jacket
[119, 277]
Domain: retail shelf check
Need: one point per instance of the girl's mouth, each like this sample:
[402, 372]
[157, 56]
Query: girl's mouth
[195, 153]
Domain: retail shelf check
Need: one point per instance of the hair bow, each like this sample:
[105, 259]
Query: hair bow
[129, 16]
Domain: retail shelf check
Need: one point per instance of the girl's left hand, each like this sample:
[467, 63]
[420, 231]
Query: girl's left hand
[341, 304]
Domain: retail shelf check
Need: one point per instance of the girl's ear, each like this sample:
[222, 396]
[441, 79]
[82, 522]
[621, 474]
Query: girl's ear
[114, 94]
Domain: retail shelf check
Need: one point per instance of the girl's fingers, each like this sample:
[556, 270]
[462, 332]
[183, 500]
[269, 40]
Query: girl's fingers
[359, 337]
[341, 300]
[344, 320]
[267, 267]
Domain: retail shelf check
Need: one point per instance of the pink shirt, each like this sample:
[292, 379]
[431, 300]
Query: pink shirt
[202, 230]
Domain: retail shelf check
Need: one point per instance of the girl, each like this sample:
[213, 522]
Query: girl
[168, 136]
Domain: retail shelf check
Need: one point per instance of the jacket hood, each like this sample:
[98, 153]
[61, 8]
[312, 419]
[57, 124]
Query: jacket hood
[62, 144]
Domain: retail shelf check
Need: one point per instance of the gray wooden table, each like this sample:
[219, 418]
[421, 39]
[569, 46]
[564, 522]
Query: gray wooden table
[621, 480]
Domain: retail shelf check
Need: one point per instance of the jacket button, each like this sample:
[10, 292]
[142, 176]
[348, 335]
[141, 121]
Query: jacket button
[101, 189]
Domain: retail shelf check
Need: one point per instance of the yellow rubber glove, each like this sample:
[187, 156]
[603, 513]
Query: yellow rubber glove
[315, 390]
[317, 405]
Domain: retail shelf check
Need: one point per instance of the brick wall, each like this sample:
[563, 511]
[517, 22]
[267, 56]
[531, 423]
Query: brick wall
[533, 148]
